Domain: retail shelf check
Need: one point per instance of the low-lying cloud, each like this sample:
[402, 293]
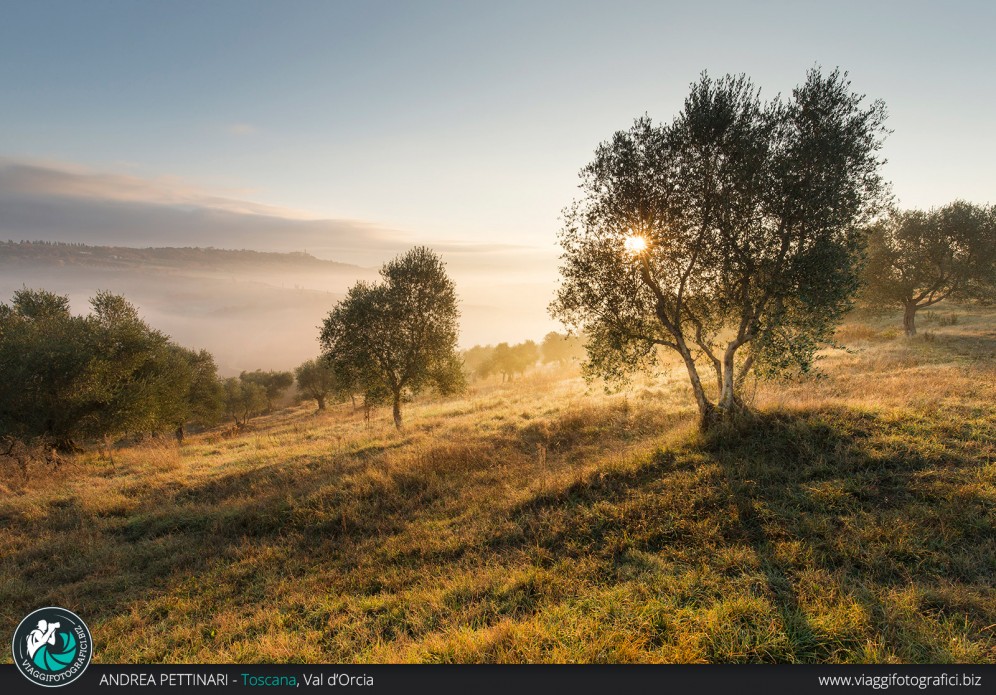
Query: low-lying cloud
[504, 288]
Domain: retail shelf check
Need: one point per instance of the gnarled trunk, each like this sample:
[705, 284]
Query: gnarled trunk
[321, 402]
[707, 410]
[397, 410]
[909, 319]
[727, 398]
[728, 405]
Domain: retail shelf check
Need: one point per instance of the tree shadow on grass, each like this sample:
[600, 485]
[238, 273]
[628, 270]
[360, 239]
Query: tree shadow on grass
[839, 510]
[824, 509]
[891, 517]
[102, 560]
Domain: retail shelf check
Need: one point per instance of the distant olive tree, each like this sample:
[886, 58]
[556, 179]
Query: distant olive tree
[274, 384]
[477, 361]
[509, 360]
[917, 259]
[243, 400]
[560, 348]
[67, 380]
[317, 379]
[398, 336]
[730, 236]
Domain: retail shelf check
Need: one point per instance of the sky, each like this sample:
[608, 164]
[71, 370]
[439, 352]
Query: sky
[459, 124]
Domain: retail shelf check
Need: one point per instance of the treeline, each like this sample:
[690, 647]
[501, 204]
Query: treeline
[483, 361]
[72, 380]
[69, 379]
[204, 258]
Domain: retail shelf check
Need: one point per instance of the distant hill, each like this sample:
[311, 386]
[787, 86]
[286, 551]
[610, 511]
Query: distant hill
[251, 309]
[261, 309]
[188, 258]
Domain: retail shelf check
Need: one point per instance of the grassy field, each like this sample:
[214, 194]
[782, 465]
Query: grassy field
[544, 521]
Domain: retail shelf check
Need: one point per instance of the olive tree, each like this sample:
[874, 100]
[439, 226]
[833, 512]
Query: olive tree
[398, 336]
[730, 236]
[317, 379]
[917, 259]
[273, 383]
[509, 360]
[243, 400]
[71, 379]
[477, 361]
[561, 349]
[45, 355]
[202, 393]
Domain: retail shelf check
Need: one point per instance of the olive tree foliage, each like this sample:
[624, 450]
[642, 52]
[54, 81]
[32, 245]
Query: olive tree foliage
[398, 336]
[509, 360]
[274, 383]
[729, 236]
[243, 400]
[562, 349]
[45, 353]
[70, 379]
[317, 379]
[917, 259]
[202, 395]
[477, 361]
[138, 382]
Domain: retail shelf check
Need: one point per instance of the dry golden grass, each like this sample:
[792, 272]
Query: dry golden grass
[543, 521]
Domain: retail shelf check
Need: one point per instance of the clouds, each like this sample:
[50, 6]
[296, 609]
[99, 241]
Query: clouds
[57, 202]
[504, 287]
[64, 202]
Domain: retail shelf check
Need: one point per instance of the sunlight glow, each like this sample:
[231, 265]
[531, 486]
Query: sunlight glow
[635, 244]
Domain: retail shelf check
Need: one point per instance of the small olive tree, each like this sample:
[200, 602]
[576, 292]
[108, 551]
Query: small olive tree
[317, 379]
[729, 236]
[561, 348]
[917, 259]
[243, 400]
[273, 383]
[398, 336]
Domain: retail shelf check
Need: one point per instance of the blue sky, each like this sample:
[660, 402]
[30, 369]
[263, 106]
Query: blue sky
[356, 129]
[463, 121]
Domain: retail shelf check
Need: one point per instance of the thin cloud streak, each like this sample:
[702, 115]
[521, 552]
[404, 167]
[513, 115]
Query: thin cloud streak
[61, 202]
[504, 288]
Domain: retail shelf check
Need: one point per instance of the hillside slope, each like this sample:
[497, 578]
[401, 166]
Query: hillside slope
[852, 521]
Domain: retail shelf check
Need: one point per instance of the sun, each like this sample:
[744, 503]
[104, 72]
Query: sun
[635, 244]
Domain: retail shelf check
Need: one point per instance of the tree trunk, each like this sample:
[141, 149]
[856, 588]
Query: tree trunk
[397, 410]
[352, 397]
[727, 400]
[706, 408]
[909, 319]
[321, 402]
[179, 433]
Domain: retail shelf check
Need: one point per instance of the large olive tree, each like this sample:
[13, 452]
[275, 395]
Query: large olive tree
[729, 236]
